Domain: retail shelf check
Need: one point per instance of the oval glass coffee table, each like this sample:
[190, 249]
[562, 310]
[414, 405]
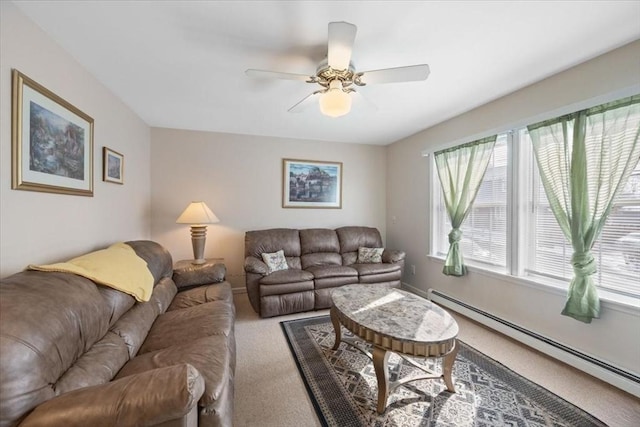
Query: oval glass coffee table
[396, 321]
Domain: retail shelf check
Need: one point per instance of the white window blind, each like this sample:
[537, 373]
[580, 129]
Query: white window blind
[617, 251]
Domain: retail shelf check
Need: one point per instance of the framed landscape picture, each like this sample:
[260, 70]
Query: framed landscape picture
[52, 141]
[112, 166]
[311, 184]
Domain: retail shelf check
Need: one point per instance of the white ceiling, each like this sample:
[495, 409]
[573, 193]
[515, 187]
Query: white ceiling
[180, 64]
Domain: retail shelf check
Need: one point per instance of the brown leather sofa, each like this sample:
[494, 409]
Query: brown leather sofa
[318, 260]
[74, 353]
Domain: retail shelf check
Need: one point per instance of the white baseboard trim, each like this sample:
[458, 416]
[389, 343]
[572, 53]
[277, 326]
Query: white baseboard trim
[613, 375]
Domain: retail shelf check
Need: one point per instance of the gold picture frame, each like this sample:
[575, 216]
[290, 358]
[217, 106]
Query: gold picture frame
[112, 166]
[311, 184]
[52, 141]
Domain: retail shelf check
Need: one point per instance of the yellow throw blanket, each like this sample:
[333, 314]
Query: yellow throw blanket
[118, 267]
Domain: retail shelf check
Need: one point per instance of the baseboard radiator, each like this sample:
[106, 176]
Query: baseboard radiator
[613, 375]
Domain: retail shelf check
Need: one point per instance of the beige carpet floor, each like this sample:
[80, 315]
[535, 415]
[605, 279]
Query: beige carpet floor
[269, 391]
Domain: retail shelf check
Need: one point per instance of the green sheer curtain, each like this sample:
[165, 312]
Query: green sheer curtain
[584, 160]
[461, 170]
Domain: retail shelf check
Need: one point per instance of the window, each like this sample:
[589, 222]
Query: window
[484, 232]
[617, 251]
[529, 243]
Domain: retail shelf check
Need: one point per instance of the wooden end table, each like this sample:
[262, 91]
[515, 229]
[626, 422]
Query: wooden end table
[396, 321]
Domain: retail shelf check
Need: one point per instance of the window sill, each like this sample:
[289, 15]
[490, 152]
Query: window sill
[624, 303]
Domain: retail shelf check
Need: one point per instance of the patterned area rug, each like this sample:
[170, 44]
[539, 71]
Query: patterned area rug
[343, 388]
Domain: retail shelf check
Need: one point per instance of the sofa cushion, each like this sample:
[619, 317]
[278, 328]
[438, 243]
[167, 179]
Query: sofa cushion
[265, 241]
[187, 275]
[116, 302]
[201, 295]
[320, 258]
[315, 240]
[370, 269]
[210, 355]
[330, 276]
[48, 321]
[286, 276]
[97, 366]
[353, 238]
[177, 327]
[275, 261]
[163, 294]
[134, 325]
[325, 271]
[319, 246]
[370, 255]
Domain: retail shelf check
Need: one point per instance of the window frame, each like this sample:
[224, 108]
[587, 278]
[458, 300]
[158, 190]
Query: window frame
[517, 201]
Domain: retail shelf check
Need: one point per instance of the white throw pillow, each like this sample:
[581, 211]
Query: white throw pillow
[275, 261]
[370, 255]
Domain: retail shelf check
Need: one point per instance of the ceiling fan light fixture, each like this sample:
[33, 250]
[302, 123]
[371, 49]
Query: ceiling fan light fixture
[335, 102]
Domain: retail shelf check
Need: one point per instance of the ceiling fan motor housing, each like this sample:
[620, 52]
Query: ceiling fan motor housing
[325, 75]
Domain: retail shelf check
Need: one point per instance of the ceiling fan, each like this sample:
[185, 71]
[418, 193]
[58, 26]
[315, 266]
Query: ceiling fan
[337, 75]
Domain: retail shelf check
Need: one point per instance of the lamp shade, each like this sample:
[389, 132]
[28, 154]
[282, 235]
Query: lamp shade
[335, 102]
[197, 213]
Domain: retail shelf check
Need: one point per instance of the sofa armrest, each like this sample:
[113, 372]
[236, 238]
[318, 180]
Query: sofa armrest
[148, 398]
[187, 275]
[392, 256]
[254, 265]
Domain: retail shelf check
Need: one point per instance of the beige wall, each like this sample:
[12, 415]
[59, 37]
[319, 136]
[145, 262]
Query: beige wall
[240, 179]
[40, 227]
[612, 338]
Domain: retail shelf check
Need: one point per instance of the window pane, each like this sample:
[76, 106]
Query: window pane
[484, 232]
[617, 251]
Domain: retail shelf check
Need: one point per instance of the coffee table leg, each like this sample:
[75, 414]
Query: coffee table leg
[336, 328]
[380, 361]
[447, 367]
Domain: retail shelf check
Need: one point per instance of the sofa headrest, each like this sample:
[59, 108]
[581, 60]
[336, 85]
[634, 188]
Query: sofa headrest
[314, 240]
[267, 241]
[352, 238]
[157, 257]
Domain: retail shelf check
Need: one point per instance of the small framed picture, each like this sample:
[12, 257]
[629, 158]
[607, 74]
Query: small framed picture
[112, 166]
[52, 141]
[311, 184]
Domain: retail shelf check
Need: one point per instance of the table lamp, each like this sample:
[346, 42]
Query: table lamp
[198, 214]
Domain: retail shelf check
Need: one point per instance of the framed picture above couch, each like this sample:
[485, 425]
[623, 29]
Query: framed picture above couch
[311, 184]
[52, 141]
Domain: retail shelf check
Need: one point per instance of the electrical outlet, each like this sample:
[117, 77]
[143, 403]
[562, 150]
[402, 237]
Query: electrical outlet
[413, 270]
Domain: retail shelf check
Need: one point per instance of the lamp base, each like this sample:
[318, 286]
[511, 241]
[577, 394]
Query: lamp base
[198, 239]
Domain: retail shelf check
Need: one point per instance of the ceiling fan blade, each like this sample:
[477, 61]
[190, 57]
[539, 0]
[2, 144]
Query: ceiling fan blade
[341, 38]
[394, 75]
[264, 74]
[306, 102]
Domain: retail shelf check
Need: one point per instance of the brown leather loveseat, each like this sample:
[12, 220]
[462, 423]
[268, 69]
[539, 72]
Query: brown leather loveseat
[317, 260]
[74, 353]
